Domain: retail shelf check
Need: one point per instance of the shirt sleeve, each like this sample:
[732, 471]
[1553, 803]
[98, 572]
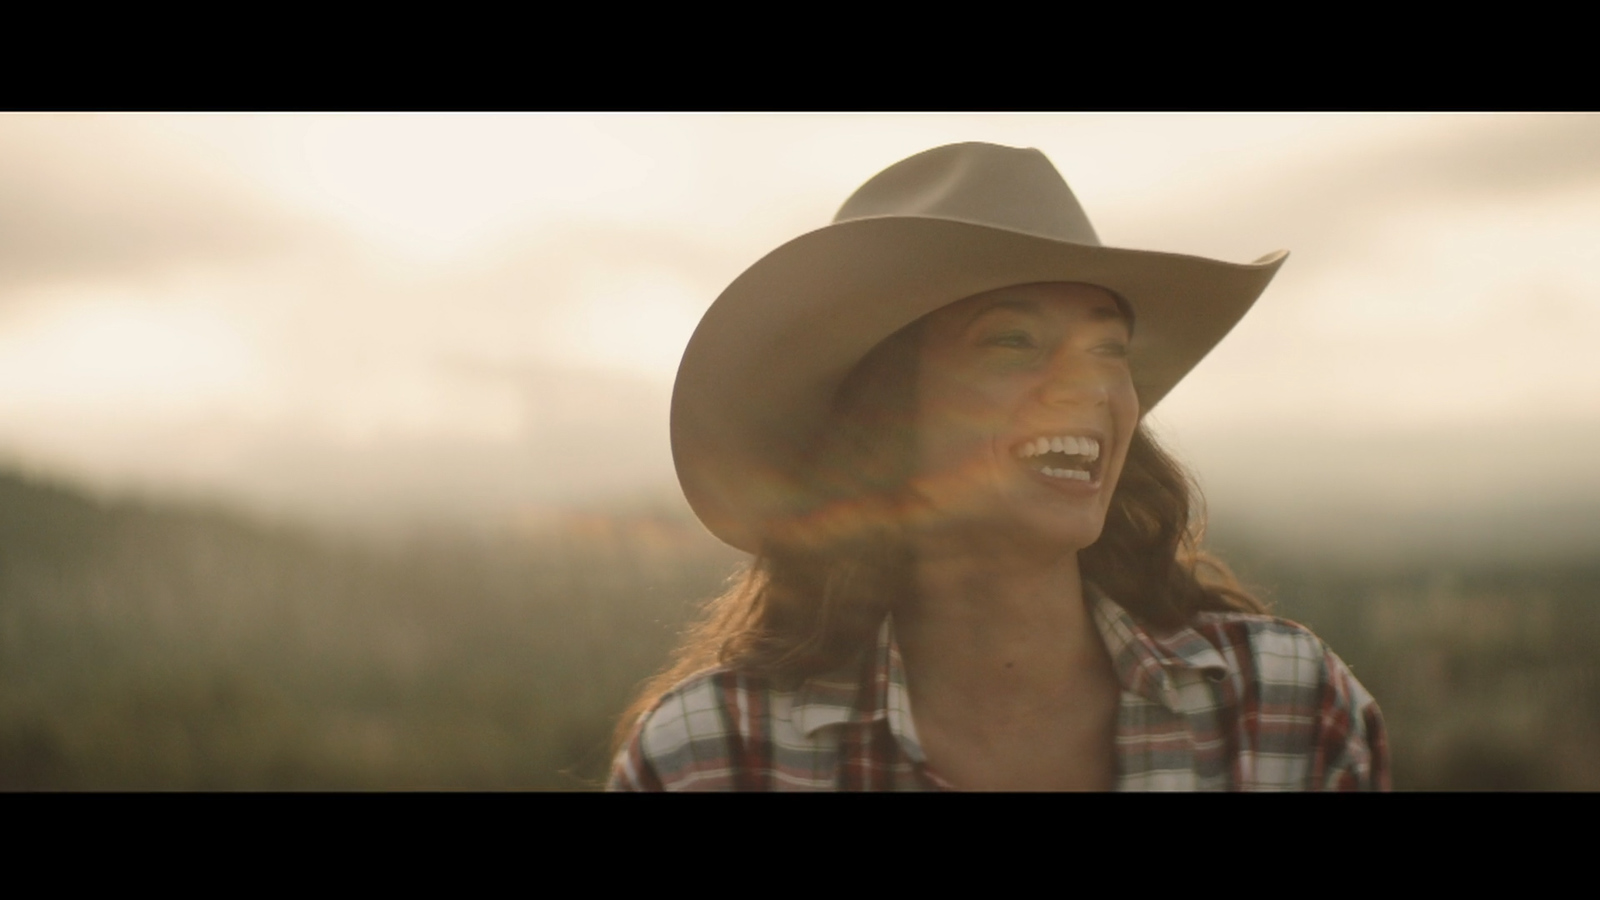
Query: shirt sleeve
[684, 743]
[1352, 752]
[632, 770]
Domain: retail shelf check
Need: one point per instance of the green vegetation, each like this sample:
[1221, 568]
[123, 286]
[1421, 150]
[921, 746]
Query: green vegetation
[157, 647]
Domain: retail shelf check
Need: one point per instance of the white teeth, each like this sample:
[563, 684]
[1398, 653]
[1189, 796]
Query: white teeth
[1086, 447]
[1074, 474]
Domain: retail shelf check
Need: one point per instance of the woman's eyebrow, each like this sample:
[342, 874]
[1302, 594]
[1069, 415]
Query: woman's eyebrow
[1029, 307]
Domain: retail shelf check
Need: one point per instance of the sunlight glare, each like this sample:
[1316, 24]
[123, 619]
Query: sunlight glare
[118, 354]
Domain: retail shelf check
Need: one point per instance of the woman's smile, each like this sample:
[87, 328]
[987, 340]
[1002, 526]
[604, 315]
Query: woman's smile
[1074, 457]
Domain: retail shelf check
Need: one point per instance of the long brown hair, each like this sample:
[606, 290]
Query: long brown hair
[812, 598]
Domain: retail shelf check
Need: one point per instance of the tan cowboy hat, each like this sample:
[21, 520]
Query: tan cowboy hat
[759, 375]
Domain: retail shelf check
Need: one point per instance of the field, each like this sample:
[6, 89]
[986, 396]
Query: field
[180, 648]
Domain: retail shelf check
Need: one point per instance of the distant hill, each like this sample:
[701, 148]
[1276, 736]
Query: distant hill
[163, 647]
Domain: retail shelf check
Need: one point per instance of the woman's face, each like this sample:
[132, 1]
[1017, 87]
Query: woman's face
[1025, 409]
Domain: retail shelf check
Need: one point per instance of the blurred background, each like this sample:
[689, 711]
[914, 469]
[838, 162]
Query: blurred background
[333, 449]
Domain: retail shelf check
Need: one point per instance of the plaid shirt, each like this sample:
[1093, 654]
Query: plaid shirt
[1232, 702]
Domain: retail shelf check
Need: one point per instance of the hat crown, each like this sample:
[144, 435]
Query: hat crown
[986, 184]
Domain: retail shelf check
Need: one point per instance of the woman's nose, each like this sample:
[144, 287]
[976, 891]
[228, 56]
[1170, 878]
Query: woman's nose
[1072, 378]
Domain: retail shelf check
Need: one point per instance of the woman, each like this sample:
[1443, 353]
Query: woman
[974, 568]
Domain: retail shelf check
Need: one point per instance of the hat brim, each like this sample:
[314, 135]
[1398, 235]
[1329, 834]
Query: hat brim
[759, 374]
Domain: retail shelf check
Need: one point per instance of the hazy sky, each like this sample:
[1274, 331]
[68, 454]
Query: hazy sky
[471, 316]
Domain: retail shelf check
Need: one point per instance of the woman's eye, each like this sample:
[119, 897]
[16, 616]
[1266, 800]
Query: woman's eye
[1117, 349]
[1019, 340]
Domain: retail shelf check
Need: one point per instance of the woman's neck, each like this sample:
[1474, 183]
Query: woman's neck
[1011, 687]
[985, 621]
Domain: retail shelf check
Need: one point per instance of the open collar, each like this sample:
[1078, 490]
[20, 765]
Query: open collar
[1145, 661]
[875, 689]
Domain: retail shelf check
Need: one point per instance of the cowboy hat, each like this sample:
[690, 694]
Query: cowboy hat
[759, 375]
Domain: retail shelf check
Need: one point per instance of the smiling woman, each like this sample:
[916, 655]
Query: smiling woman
[973, 567]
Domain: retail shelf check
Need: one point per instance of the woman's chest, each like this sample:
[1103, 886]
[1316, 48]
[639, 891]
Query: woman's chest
[1065, 745]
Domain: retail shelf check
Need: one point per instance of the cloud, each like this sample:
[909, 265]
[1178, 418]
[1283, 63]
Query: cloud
[94, 197]
[1328, 207]
[381, 393]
